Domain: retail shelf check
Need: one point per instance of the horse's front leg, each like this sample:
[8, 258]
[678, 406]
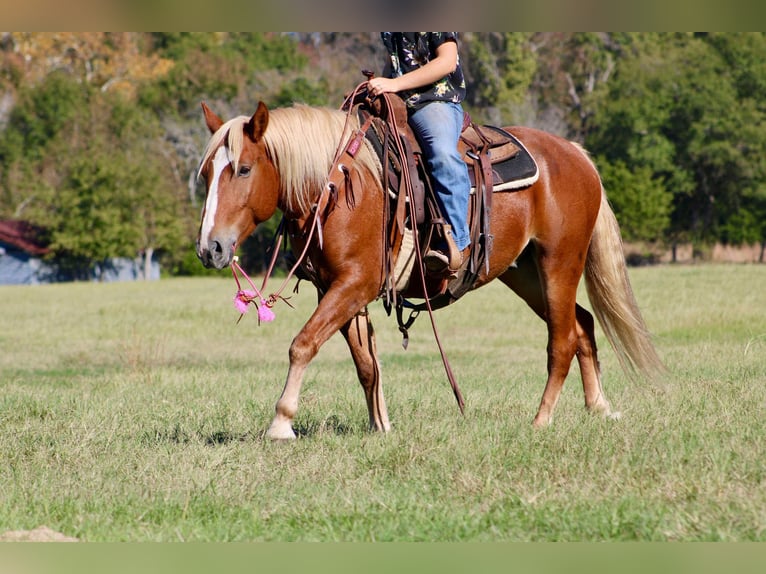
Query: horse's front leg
[335, 309]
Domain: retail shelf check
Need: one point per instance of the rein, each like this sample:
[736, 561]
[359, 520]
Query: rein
[340, 173]
[413, 218]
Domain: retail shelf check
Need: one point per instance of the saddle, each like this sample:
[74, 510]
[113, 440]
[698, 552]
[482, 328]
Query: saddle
[497, 161]
[513, 167]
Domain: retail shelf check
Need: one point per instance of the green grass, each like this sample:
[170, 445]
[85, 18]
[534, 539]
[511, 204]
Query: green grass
[137, 412]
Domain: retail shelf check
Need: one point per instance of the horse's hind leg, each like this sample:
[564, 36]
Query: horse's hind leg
[570, 332]
[587, 358]
[559, 296]
[360, 337]
[526, 281]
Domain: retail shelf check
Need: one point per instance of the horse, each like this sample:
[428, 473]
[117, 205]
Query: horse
[546, 237]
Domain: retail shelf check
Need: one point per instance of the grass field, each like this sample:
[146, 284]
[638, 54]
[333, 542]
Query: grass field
[136, 412]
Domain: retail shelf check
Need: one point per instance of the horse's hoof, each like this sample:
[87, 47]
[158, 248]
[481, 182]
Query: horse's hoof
[382, 428]
[605, 411]
[541, 422]
[280, 431]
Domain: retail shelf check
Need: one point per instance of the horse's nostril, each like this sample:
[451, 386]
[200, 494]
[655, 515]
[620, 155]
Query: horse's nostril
[216, 247]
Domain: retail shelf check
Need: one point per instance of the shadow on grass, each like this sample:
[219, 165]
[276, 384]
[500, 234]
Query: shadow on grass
[332, 425]
[225, 437]
[180, 436]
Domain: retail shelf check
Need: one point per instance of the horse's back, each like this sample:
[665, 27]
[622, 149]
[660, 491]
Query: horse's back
[569, 180]
[558, 211]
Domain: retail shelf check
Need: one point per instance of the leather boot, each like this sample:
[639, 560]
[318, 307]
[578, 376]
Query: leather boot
[454, 255]
[438, 260]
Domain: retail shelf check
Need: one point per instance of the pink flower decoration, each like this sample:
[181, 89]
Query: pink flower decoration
[265, 313]
[241, 300]
[244, 297]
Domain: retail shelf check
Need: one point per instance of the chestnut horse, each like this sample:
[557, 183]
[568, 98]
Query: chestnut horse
[545, 237]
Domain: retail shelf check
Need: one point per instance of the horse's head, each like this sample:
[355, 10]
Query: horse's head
[241, 181]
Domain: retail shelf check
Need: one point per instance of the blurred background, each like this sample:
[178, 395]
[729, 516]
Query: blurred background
[101, 133]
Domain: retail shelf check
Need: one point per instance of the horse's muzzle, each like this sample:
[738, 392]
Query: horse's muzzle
[217, 254]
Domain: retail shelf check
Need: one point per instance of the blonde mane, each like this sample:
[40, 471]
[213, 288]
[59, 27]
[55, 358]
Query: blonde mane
[302, 142]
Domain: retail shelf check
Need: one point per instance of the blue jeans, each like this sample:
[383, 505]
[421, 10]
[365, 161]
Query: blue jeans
[437, 126]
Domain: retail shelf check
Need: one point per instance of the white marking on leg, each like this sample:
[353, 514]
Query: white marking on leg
[220, 161]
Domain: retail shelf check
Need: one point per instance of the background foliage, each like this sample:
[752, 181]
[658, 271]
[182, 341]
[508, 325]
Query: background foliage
[100, 132]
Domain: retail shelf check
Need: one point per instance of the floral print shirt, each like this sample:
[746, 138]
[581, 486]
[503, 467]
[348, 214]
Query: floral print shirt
[408, 51]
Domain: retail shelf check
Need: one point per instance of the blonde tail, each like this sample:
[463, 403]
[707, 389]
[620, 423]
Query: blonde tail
[612, 299]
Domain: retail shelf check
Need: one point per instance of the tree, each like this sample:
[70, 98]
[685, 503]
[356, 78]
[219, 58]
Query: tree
[573, 74]
[744, 54]
[107, 126]
[498, 68]
[87, 165]
[676, 110]
[37, 143]
[223, 66]
[641, 203]
[106, 60]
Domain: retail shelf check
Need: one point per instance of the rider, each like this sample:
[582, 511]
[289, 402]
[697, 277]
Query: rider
[424, 68]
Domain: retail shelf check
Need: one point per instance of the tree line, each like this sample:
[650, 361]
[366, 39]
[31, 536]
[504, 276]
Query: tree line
[100, 133]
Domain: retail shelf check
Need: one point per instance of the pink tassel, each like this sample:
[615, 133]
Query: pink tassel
[265, 313]
[244, 297]
[241, 300]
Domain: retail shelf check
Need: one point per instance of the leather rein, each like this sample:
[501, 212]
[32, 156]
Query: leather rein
[339, 174]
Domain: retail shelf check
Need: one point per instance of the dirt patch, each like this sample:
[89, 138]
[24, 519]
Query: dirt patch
[39, 534]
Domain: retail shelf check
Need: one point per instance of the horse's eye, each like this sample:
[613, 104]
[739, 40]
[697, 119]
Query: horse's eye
[244, 170]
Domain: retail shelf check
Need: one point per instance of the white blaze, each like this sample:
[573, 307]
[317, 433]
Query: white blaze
[220, 161]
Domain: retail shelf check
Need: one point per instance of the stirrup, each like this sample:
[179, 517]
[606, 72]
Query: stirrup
[436, 261]
[455, 257]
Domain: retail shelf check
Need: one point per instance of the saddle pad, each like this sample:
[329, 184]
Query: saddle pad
[515, 172]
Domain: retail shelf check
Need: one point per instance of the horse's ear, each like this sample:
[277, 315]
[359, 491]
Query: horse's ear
[258, 123]
[211, 119]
